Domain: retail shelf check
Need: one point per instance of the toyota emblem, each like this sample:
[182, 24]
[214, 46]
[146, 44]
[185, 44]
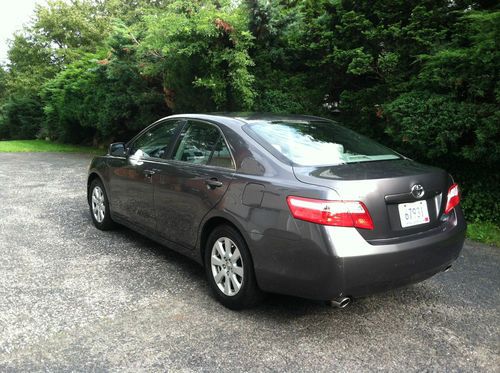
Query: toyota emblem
[417, 191]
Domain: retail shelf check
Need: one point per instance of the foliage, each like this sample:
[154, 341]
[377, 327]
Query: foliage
[30, 63]
[480, 188]
[98, 97]
[488, 233]
[70, 28]
[454, 101]
[200, 49]
[418, 75]
[419, 119]
[3, 81]
[20, 117]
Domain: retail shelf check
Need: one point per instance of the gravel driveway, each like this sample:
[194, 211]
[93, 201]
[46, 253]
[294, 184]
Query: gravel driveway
[74, 298]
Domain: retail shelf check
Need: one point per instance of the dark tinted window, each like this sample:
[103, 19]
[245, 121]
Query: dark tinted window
[315, 143]
[155, 142]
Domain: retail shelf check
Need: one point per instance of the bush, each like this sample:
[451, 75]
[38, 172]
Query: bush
[21, 118]
[95, 99]
[480, 186]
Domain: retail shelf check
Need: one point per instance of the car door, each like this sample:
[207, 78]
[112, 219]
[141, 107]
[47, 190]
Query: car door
[192, 182]
[131, 177]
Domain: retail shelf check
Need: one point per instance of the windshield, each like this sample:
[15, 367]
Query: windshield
[318, 143]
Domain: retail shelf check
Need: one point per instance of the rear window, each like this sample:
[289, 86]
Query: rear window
[317, 143]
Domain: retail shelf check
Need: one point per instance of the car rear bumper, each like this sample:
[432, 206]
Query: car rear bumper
[344, 264]
[375, 272]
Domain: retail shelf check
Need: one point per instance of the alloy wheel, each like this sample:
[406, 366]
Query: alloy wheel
[227, 266]
[98, 207]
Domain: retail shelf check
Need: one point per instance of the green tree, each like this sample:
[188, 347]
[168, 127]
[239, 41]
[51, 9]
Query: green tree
[20, 117]
[200, 51]
[450, 113]
[20, 106]
[70, 28]
[99, 97]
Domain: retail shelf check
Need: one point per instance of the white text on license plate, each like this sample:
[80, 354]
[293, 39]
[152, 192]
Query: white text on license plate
[413, 213]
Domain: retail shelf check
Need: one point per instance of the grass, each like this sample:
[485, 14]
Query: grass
[488, 233]
[17, 146]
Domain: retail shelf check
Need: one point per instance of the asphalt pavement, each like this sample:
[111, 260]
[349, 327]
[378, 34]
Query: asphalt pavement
[73, 298]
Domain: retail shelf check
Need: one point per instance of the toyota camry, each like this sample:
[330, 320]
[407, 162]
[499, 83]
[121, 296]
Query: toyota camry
[296, 205]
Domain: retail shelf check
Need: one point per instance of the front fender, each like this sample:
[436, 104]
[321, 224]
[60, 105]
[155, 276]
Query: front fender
[98, 168]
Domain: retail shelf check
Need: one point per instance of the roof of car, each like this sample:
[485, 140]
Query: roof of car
[245, 117]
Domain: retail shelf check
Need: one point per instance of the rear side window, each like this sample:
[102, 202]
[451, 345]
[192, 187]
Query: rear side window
[221, 156]
[155, 142]
[318, 143]
[202, 143]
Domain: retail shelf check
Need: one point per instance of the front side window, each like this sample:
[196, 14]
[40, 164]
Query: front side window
[155, 142]
[318, 143]
[202, 143]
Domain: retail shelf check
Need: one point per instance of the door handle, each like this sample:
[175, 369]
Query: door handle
[149, 173]
[213, 183]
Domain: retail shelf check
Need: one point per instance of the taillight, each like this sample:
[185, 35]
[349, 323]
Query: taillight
[337, 213]
[453, 198]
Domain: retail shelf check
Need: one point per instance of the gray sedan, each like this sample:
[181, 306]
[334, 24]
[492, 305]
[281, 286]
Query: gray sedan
[296, 205]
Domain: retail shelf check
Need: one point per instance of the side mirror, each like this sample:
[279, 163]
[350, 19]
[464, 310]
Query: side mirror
[117, 149]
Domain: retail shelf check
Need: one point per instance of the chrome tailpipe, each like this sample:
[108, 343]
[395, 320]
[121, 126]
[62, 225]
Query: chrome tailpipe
[447, 268]
[340, 302]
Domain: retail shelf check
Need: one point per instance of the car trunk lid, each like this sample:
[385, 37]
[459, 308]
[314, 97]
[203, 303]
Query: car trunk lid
[383, 186]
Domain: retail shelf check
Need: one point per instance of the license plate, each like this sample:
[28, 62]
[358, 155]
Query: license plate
[413, 213]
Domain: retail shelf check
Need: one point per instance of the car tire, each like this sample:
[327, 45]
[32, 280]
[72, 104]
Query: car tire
[231, 274]
[99, 206]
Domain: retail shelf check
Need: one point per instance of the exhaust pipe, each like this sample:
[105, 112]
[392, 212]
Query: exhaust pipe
[447, 268]
[340, 302]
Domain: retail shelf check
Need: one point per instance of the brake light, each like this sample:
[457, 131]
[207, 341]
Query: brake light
[336, 213]
[453, 198]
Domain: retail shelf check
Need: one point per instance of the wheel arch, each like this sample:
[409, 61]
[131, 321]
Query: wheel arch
[209, 225]
[93, 175]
